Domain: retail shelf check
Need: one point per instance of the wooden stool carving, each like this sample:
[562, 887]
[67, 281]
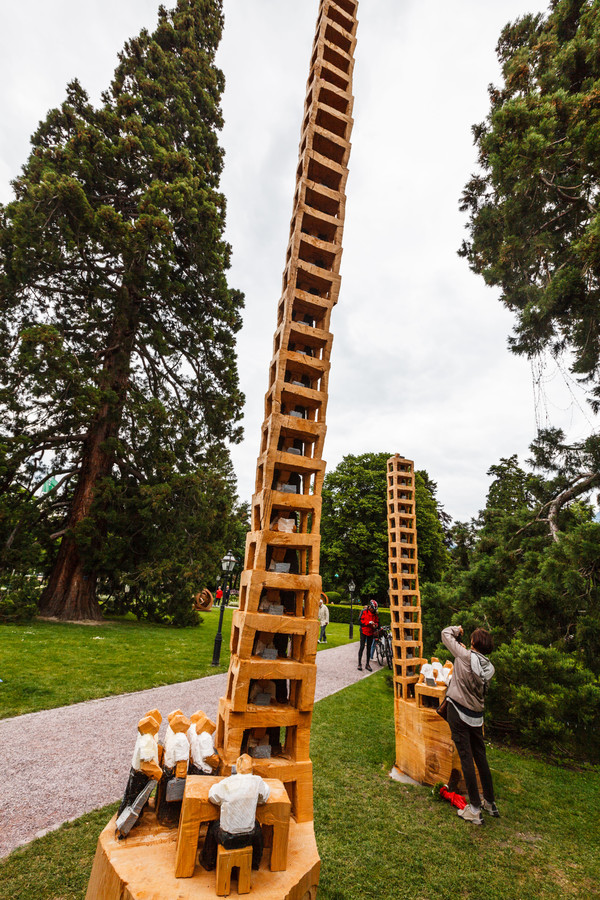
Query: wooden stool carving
[231, 859]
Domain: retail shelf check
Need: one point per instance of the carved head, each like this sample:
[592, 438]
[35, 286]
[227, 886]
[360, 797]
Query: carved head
[243, 765]
[148, 725]
[179, 724]
[155, 713]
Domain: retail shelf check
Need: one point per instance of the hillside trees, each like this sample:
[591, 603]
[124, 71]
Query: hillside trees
[533, 206]
[118, 372]
[354, 539]
[536, 586]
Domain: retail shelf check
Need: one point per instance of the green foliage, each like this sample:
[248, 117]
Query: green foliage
[534, 219]
[529, 571]
[118, 371]
[176, 534]
[354, 526]
[19, 596]
[333, 596]
[545, 698]
[342, 614]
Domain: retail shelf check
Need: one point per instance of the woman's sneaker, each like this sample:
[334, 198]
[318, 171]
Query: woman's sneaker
[469, 815]
[491, 808]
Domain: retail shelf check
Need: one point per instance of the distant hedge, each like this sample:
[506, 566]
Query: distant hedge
[342, 614]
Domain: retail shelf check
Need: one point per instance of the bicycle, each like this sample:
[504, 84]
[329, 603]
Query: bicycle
[383, 646]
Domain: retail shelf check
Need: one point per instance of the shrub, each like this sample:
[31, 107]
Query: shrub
[545, 699]
[334, 596]
[342, 614]
[19, 598]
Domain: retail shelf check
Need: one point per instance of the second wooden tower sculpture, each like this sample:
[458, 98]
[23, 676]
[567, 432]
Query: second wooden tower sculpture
[424, 747]
[268, 707]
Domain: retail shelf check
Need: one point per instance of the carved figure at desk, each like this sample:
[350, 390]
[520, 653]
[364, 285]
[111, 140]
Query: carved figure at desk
[238, 796]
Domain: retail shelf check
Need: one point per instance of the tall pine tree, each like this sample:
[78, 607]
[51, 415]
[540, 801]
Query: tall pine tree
[533, 206]
[117, 359]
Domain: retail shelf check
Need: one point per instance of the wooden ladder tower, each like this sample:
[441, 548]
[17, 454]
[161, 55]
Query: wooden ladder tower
[424, 747]
[275, 631]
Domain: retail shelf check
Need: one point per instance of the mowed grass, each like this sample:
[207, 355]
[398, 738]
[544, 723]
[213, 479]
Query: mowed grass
[48, 664]
[388, 841]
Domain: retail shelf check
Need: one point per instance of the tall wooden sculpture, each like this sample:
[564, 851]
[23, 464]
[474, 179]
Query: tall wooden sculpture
[268, 706]
[424, 748]
[280, 586]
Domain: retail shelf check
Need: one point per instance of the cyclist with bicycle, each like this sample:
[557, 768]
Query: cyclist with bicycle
[369, 623]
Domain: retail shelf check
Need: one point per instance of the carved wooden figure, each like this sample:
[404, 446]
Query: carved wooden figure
[424, 747]
[144, 769]
[175, 768]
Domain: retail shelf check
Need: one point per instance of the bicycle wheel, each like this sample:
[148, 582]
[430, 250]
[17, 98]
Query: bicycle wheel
[379, 651]
[388, 652]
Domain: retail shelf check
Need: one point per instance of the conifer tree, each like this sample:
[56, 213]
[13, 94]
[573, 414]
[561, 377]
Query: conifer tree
[117, 359]
[533, 205]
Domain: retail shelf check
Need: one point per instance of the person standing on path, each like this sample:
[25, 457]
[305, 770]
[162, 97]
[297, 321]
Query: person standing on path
[466, 696]
[369, 623]
[323, 622]
[219, 595]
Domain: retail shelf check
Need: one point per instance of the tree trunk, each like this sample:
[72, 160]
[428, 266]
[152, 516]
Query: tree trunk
[581, 484]
[71, 591]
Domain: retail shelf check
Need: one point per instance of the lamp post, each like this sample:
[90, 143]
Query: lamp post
[351, 588]
[227, 565]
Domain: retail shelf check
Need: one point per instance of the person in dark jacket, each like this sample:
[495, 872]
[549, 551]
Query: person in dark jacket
[466, 696]
[369, 623]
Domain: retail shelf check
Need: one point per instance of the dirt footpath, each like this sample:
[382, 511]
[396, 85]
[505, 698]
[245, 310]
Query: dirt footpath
[62, 763]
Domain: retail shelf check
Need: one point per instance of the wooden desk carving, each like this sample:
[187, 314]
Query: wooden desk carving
[197, 809]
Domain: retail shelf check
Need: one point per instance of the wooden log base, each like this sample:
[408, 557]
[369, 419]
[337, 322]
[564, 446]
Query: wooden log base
[142, 867]
[424, 747]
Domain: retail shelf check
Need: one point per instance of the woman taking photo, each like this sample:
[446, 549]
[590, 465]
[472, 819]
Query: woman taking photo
[466, 695]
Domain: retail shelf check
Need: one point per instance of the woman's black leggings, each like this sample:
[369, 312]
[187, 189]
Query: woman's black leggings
[471, 749]
[368, 640]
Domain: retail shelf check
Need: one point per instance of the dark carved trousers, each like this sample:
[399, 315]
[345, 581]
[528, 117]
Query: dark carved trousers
[137, 782]
[215, 836]
[471, 750]
[368, 640]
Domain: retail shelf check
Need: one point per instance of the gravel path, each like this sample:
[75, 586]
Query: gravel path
[62, 763]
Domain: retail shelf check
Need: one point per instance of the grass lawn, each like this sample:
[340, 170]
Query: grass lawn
[387, 841]
[47, 664]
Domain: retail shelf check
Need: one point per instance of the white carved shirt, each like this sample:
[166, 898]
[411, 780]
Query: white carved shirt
[202, 746]
[238, 797]
[176, 750]
[145, 750]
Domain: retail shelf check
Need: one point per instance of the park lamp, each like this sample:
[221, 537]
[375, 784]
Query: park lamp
[228, 564]
[351, 588]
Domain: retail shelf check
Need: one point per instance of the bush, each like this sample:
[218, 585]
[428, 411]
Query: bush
[334, 596]
[342, 614]
[19, 598]
[545, 699]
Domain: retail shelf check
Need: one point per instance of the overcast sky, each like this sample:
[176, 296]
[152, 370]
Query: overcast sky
[420, 364]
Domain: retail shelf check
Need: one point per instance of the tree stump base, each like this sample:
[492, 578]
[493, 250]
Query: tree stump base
[142, 867]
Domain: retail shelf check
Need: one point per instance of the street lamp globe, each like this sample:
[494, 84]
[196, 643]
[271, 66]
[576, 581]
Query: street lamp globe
[228, 563]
